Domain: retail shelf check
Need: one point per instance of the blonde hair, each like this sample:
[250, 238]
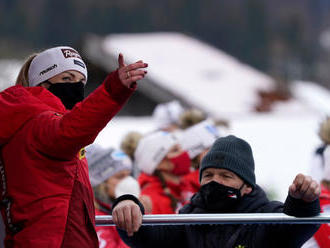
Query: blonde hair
[191, 117]
[324, 131]
[23, 75]
[130, 142]
[100, 193]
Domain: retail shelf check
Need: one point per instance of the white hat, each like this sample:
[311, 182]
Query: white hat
[104, 163]
[326, 156]
[152, 149]
[199, 137]
[53, 61]
[167, 113]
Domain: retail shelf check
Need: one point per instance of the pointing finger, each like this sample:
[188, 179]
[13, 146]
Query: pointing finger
[121, 60]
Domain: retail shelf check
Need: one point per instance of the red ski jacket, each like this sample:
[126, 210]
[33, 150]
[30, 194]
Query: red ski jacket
[108, 235]
[322, 236]
[47, 199]
[190, 185]
[161, 203]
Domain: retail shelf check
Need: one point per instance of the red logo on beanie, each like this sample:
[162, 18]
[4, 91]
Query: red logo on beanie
[70, 53]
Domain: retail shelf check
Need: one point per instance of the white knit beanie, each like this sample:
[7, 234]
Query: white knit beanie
[152, 149]
[199, 137]
[104, 163]
[166, 114]
[54, 61]
[326, 156]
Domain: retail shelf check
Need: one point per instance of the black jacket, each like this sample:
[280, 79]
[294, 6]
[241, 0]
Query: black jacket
[240, 236]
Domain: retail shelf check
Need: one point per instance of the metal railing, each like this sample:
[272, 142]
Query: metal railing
[193, 219]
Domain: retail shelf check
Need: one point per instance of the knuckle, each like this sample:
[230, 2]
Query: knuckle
[126, 208]
[313, 188]
[300, 176]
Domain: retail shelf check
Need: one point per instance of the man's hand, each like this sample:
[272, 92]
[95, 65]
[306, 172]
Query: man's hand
[304, 188]
[127, 216]
[129, 74]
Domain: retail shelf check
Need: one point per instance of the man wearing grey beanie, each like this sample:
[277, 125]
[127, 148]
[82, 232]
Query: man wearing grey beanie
[228, 185]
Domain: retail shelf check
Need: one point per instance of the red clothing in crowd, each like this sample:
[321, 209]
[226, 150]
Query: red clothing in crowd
[190, 185]
[47, 199]
[161, 203]
[108, 235]
[322, 236]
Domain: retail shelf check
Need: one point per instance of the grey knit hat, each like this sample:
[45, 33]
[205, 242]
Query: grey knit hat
[233, 154]
[104, 163]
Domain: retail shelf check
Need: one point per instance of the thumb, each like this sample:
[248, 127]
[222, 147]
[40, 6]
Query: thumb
[292, 189]
[121, 60]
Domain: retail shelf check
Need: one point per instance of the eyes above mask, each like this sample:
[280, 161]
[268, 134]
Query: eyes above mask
[69, 93]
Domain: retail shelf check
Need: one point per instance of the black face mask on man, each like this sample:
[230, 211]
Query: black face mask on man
[69, 93]
[220, 198]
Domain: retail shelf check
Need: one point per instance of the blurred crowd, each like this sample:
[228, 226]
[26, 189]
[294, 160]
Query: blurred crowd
[160, 167]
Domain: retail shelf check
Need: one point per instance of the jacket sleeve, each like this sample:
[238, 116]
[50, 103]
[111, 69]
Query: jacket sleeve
[156, 236]
[294, 235]
[152, 236]
[62, 136]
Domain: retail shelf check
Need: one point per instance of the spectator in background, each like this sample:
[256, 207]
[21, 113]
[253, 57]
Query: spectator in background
[196, 140]
[162, 163]
[166, 115]
[191, 117]
[228, 185]
[47, 199]
[110, 176]
[128, 144]
[321, 238]
[317, 165]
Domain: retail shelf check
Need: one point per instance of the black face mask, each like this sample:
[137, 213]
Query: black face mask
[220, 198]
[69, 93]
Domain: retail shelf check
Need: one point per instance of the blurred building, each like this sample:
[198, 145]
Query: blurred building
[193, 72]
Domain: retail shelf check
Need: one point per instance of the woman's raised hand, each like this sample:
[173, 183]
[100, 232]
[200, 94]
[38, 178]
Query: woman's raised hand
[130, 74]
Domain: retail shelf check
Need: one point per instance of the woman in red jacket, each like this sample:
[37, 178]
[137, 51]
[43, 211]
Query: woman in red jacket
[163, 163]
[47, 199]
